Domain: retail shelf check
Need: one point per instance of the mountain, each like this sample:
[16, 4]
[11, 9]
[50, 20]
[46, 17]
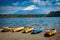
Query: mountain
[54, 14]
[36, 11]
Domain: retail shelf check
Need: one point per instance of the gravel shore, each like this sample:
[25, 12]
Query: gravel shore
[27, 36]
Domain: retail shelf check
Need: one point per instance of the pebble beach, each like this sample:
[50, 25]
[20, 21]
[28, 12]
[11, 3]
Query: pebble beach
[27, 36]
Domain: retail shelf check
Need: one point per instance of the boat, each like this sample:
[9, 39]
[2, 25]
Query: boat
[38, 30]
[17, 29]
[6, 29]
[27, 30]
[51, 32]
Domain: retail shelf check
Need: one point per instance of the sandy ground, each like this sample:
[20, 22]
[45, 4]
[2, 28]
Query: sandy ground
[27, 36]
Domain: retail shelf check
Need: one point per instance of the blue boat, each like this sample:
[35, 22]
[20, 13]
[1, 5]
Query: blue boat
[38, 30]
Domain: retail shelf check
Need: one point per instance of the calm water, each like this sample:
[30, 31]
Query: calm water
[46, 22]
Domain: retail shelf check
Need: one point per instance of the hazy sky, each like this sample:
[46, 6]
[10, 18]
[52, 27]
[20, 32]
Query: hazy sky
[28, 6]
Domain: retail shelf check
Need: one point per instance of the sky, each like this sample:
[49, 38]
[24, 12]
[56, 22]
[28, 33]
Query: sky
[28, 6]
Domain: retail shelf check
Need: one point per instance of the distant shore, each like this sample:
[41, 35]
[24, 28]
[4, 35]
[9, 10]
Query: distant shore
[21, 15]
[50, 14]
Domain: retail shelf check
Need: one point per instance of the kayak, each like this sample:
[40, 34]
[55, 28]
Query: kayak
[6, 29]
[51, 32]
[28, 29]
[18, 29]
[38, 30]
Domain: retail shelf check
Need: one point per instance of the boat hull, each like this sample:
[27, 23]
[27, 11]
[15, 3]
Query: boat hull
[28, 30]
[38, 30]
[18, 29]
[51, 32]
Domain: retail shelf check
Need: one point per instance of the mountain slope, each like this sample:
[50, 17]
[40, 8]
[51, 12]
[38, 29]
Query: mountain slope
[54, 14]
[36, 11]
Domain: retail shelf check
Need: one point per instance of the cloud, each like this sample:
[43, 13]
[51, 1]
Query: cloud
[10, 9]
[15, 4]
[46, 2]
[40, 2]
[31, 7]
[57, 8]
[57, 0]
[58, 3]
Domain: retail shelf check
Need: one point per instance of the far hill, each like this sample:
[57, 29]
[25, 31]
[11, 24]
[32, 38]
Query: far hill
[54, 14]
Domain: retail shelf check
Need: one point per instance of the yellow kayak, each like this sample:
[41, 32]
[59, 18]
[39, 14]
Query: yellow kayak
[18, 29]
[51, 32]
[6, 29]
[28, 29]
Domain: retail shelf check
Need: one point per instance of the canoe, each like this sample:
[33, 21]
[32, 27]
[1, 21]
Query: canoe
[38, 30]
[18, 29]
[6, 29]
[51, 32]
[28, 29]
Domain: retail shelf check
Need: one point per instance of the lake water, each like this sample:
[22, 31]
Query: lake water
[46, 22]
